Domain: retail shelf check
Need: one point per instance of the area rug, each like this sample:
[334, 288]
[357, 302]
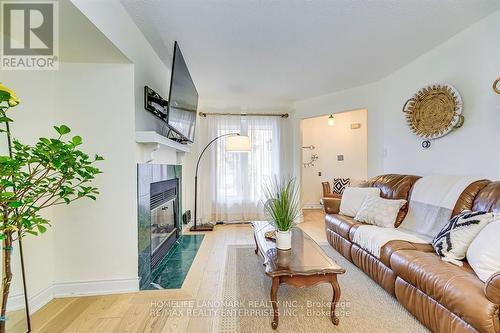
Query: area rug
[364, 306]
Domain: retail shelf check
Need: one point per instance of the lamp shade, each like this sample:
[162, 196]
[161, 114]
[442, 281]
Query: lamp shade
[238, 143]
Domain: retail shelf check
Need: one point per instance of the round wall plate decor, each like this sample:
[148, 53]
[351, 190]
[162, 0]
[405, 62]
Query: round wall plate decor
[434, 111]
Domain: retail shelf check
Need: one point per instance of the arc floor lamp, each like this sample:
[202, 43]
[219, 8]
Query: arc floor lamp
[235, 143]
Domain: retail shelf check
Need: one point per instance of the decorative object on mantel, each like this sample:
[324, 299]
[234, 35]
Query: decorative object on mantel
[236, 143]
[496, 85]
[434, 111]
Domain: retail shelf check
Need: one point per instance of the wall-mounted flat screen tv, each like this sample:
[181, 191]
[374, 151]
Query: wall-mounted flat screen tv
[183, 98]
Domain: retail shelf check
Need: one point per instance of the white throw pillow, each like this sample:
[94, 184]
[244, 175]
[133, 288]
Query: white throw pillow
[353, 198]
[379, 211]
[483, 254]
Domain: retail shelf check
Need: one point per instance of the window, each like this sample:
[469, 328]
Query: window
[236, 179]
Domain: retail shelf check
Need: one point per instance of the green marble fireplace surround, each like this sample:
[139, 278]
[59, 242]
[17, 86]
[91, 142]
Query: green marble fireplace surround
[148, 174]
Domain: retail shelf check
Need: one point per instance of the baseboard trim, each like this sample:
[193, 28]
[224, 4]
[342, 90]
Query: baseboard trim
[38, 300]
[312, 206]
[72, 289]
[95, 287]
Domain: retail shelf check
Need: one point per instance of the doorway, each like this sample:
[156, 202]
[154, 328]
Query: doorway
[333, 146]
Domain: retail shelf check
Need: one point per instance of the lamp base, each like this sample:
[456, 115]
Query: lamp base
[202, 227]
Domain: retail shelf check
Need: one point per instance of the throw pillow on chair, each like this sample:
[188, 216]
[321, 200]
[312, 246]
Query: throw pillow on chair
[339, 185]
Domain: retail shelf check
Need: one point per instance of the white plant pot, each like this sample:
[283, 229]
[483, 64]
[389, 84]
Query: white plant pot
[284, 240]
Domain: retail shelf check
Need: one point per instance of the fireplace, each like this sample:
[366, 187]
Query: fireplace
[164, 219]
[159, 193]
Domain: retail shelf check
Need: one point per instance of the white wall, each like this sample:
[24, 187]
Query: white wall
[330, 141]
[469, 61]
[35, 89]
[89, 242]
[98, 240]
[365, 97]
[114, 22]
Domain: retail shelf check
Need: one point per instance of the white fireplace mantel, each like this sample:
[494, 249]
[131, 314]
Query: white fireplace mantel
[152, 141]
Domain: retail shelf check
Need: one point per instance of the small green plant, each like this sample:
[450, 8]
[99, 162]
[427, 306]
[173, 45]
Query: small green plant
[282, 202]
[51, 172]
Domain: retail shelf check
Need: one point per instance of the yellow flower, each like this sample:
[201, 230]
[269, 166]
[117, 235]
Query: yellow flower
[13, 99]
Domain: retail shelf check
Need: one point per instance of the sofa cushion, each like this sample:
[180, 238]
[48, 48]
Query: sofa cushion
[433, 315]
[372, 238]
[374, 268]
[340, 224]
[398, 245]
[456, 288]
[394, 186]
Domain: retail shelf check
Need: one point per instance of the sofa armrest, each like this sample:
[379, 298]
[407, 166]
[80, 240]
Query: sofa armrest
[397, 245]
[331, 205]
[492, 288]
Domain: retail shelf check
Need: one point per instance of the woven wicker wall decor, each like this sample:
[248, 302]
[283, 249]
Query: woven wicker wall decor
[496, 85]
[434, 111]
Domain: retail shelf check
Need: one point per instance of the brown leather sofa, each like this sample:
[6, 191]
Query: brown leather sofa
[443, 296]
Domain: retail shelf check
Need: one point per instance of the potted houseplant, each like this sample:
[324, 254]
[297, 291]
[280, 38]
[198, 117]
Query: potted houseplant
[282, 208]
[34, 177]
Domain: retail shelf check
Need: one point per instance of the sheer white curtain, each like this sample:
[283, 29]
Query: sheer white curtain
[232, 182]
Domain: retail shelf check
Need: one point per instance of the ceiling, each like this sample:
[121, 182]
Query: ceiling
[273, 52]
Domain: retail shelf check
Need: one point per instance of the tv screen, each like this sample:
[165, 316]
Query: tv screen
[183, 98]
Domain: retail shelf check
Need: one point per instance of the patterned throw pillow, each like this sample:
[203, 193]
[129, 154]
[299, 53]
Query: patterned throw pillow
[454, 239]
[339, 185]
[379, 211]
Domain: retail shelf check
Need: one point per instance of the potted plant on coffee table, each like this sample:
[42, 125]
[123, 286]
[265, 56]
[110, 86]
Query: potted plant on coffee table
[282, 208]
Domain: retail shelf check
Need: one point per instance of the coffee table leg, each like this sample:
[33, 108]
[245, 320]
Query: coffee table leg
[274, 301]
[335, 298]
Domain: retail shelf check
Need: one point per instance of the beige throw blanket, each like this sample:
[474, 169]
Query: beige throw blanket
[372, 237]
[431, 204]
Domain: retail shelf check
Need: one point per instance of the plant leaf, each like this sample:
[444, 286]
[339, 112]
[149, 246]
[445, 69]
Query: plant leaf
[77, 140]
[15, 204]
[63, 129]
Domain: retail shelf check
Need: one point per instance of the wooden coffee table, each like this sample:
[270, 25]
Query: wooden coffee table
[306, 264]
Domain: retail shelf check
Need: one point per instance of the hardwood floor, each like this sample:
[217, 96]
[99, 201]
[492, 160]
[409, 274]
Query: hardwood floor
[139, 312]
